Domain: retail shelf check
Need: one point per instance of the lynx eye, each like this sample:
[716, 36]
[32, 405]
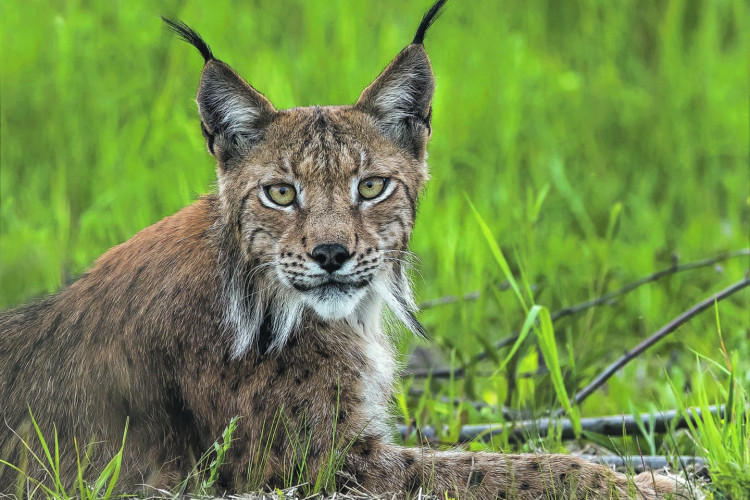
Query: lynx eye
[372, 186]
[281, 194]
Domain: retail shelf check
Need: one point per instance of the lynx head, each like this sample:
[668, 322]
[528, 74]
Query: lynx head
[318, 203]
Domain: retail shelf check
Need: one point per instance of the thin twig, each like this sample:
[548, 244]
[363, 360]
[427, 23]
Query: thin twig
[607, 297]
[580, 307]
[452, 299]
[660, 334]
[448, 299]
[613, 425]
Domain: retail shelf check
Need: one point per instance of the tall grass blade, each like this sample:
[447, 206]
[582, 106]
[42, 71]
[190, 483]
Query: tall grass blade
[548, 346]
[528, 325]
[497, 253]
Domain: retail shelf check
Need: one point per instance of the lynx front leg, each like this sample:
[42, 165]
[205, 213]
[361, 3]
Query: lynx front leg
[387, 468]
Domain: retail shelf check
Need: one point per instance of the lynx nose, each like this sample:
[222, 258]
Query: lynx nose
[330, 257]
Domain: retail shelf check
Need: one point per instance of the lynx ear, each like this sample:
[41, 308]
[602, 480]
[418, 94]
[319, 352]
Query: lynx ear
[234, 115]
[400, 98]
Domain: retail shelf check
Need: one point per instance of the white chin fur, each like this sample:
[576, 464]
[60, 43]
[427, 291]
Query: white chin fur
[333, 305]
[286, 305]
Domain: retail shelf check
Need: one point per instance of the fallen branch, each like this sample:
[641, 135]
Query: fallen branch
[580, 307]
[452, 299]
[663, 332]
[643, 463]
[615, 425]
[448, 299]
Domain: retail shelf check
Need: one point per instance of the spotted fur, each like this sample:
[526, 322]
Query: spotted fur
[222, 310]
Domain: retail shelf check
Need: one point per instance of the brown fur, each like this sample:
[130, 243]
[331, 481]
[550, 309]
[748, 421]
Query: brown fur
[153, 332]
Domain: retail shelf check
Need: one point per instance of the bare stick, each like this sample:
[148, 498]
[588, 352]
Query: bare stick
[660, 334]
[452, 299]
[582, 306]
[607, 297]
[646, 462]
[448, 299]
[614, 425]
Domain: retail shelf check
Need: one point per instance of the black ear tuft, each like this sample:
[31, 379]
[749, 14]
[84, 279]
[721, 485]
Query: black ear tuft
[427, 21]
[192, 37]
[233, 114]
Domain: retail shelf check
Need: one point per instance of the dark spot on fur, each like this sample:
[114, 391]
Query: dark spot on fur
[276, 481]
[322, 353]
[278, 444]
[408, 462]
[476, 478]
[575, 465]
[304, 240]
[535, 466]
[297, 381]
[364, 447]
[342, 416]
[359, 477]
[525, 486]
[259, 404]
[281, 368]
[235, 384]
[500, 495]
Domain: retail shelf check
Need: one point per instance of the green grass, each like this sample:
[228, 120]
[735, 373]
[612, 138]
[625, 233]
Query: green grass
[48, 461]
[595, 139]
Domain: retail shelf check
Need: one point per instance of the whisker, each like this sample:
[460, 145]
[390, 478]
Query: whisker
[408, 264]
[407, 252]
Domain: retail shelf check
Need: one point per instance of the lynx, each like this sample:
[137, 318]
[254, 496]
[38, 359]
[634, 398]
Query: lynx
[262, 300]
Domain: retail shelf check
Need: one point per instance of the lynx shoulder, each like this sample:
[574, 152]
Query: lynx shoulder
[262, 302]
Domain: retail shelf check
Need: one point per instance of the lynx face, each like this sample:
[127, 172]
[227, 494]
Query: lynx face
[328, 207]
[321, 200]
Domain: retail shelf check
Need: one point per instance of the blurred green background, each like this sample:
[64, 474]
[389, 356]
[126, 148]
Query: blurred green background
[596, 138]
